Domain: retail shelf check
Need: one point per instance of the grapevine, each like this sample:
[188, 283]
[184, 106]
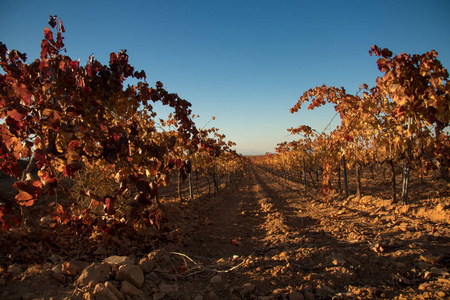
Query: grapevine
[402, 118]
[69, 119]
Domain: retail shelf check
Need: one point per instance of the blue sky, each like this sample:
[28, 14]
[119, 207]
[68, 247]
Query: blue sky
[244, 62]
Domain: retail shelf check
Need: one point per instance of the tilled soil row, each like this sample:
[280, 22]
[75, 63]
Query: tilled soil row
[370, 249]
[246, 235]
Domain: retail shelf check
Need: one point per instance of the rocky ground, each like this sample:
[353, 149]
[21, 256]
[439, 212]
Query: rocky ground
[260, 238]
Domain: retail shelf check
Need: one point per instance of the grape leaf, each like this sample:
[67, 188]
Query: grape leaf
[29, 191]
[48, 34]
[52, 21]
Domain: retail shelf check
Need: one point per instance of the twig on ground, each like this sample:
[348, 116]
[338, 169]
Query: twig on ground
[202, 268]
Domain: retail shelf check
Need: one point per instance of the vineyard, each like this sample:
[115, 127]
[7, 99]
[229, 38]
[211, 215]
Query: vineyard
[102, 198]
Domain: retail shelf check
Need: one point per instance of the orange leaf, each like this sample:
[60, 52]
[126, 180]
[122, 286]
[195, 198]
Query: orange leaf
[25, 199]
[29, 191]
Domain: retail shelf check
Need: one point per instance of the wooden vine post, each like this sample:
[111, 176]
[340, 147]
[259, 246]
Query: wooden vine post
[345, 176]
[304, 171]
[358, 182]
[190, 178]
[406, 167]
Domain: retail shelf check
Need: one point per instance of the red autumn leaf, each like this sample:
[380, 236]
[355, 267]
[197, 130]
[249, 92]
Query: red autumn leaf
[26, 150]
[179, 163]
[152, 171]
[12, 168]
[171, 163]
[3, 223]
[29, 191]
[386, 53]
[48, 34]
[45, 49]
[74, 64]
[40, 156]
[139, 75]
[25, 199]
[72, 168]
[59, 40]
[24, 93]
[112, 58]
[91, 71]
[52, 21]
[16, 115]
[14, 145]
[73, 145]
[28, 186]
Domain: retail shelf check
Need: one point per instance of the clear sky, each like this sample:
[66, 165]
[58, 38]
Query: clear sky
[244, 62]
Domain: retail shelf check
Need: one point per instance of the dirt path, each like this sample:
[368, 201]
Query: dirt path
[290, 244]
[267, 238]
